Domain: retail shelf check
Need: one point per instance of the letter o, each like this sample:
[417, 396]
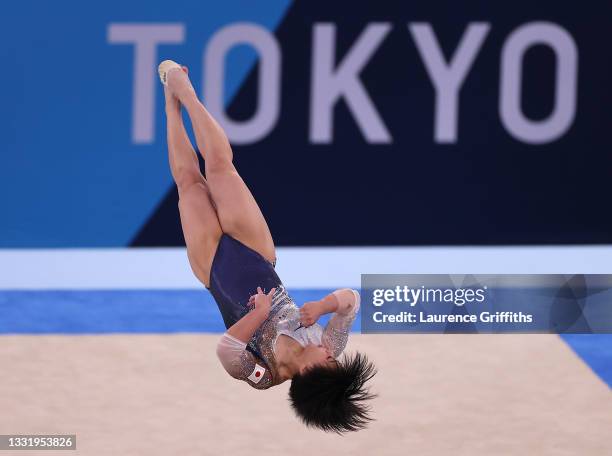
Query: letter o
[268, 100]
[563, 113]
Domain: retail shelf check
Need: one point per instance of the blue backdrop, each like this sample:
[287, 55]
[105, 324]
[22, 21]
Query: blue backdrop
[76, 171]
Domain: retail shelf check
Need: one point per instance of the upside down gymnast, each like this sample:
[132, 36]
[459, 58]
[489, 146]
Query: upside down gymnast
[269, 339]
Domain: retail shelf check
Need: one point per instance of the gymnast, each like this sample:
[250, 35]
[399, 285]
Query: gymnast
[269, 339]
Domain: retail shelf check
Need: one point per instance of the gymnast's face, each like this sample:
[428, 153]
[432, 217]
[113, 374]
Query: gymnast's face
[316, 355]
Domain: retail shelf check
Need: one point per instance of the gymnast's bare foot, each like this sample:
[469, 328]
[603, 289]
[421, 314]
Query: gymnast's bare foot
[172, 103]
[179, 85]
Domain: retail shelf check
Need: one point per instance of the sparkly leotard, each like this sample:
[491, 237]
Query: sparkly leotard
[236, 273]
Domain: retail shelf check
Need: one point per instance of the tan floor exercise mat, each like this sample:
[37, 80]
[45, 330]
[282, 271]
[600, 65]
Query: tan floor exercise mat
[438, 394]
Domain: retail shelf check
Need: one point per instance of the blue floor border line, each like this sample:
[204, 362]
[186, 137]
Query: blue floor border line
[595, 350]
[180, 311]
[116, 311]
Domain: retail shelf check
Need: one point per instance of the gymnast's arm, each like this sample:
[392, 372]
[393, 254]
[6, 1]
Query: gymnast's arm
[344, 302]
[244, 328]
[231, 349]
[337, 329]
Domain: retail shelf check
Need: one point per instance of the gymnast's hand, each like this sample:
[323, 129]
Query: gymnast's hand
[261, 301]
[310, 313]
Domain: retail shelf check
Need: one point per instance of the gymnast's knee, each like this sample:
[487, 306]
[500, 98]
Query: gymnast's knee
[187, 178]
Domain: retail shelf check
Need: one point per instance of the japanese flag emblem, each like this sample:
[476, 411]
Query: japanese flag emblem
[257, 374]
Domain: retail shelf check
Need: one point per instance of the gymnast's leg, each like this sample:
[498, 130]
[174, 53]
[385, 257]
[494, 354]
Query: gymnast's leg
[199, 221]
[237, 210]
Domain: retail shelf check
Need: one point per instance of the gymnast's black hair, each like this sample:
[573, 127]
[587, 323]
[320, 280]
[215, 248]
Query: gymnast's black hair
[332, 398]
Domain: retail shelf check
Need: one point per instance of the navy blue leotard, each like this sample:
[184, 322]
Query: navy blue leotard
[235, 274]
